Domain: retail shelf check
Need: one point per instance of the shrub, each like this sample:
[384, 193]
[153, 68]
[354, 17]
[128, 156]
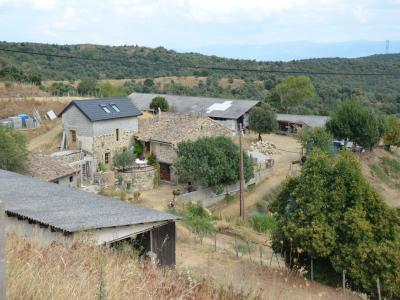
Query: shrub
[124, 159]
[198, 220]
[13, 150]
[159, 103]
[263, 223]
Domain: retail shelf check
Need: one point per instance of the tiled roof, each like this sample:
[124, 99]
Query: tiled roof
[206, 106]
[68, 209]
[105, 109]
[174, 128]
[49, 168]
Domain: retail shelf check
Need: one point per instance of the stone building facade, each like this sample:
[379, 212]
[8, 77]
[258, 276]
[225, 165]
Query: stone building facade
[99, 128]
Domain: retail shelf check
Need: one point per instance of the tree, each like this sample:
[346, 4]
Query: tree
[211, 161]
[332, 215]
[391, 136]
[159, 102]
[87, 86]
[351, 121]
[13, 151]
[262, 119]
[311, 138]
[124, 159]
[294, 90]
[148, 82]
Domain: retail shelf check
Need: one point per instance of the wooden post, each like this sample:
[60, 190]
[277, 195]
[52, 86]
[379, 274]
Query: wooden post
[312, 269]
[236, 248]
[344, 281]
[378, 285]
[215, 242]
[241, 173]
[2, 253]
[261, 263]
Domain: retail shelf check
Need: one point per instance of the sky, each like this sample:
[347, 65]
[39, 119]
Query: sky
[199, 25]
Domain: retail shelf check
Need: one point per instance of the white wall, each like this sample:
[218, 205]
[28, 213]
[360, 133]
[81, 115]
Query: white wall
[109, 126]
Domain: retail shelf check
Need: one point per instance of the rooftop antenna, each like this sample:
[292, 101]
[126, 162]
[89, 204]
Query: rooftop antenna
[387, 46]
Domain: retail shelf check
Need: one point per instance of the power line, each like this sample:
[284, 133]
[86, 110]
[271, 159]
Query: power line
[191, 66]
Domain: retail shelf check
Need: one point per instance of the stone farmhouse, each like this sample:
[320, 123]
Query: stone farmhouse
[98, 127]
[48, 212]
[229, 112]
[164, 132]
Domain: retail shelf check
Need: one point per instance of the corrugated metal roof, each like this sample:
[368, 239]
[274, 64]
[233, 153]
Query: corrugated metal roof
[68, 209]
[103, 109]
[227, 108]
[312, 121]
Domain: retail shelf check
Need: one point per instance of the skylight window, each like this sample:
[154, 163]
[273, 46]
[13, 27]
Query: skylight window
[115, 107]
[105, 108]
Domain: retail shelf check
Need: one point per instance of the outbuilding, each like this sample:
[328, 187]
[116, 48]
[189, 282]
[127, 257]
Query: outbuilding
[292, 124]
[230, 112]
[49, 212]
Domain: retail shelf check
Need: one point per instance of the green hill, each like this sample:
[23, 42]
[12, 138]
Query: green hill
[122, 62]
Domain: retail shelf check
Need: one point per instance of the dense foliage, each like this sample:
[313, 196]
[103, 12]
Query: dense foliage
[391, 136]
[311, 138]
[198, 220]
[353, 122]
[13, 151]
[331, 214]
[159, 103]
[262, 119]
[292, 91]
[211, 161]
[124, 62]
[123, 159]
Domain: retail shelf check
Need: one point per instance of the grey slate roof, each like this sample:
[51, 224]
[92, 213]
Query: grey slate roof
[198, 105]
[92, 108]
[68, 209]
[312, 121]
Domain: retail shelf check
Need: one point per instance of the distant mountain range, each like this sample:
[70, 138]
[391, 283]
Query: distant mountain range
[299, 50]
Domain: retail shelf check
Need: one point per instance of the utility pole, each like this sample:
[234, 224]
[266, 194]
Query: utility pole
[241, 172]
[2, 253]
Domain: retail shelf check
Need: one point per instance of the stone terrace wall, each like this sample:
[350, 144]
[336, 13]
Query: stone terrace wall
[142, 179]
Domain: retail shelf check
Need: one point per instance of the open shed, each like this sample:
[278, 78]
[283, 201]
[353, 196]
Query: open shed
[49, 212]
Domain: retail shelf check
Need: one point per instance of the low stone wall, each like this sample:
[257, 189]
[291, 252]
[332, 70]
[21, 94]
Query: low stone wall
[207, 197]
[142, 178]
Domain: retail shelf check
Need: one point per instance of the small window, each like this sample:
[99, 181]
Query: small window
[73, 136]
[107, 158]
[117, 134]
[56, 182]
[115, 107]
[71, 178]
[105, 108]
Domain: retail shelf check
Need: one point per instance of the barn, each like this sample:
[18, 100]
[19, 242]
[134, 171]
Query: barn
[48, 212]
[229, 112]
[292, 124]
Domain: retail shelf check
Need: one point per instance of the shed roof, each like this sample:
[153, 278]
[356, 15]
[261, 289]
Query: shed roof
[309, 120]
[174, 128]
[67, 209]
[102, 109]
[48, 168]
[211, 107]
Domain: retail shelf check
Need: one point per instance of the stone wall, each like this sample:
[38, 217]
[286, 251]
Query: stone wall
[108, 143]
[142, 179]
[165, 153]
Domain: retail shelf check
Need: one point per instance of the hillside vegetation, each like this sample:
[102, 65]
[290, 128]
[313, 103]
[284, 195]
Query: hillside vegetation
[134, 62]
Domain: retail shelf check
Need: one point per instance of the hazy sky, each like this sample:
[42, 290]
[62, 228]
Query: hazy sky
[189, 24]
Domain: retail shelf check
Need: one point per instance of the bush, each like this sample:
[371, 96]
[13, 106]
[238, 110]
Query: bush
[159, 103]
[124, 159]
[198, 220]
[13, 150]
[102, 167]
[138, 148]
[263, 223]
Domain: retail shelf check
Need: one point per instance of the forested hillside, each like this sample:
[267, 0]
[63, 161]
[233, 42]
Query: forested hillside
[132, 62]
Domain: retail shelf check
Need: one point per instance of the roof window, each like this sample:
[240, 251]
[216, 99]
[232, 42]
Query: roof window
[105, 108]
[115, 107]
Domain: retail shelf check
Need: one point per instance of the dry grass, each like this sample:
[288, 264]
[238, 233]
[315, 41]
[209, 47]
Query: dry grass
[78, 271]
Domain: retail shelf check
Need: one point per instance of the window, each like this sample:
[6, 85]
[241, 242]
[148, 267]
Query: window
[105, 108]
[73, 136]
[107, 158]
[71, 178]
[56, 182]
[115, 107]
[117, 134]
